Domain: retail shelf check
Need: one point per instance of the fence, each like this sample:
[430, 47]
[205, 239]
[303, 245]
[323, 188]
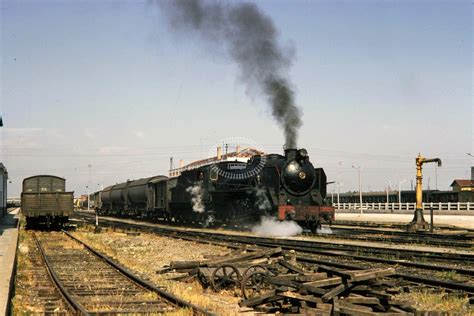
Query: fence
[446, 206]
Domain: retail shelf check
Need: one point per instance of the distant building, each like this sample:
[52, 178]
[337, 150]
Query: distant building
[3, 190]
[462, 185]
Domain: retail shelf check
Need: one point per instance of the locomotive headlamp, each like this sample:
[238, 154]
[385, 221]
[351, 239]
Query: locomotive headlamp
[292, 166]
[302, 175]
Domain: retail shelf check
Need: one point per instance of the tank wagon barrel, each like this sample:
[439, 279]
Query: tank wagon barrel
[135, 197]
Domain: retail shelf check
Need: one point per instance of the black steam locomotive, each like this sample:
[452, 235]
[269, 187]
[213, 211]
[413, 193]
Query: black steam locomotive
[228, 193]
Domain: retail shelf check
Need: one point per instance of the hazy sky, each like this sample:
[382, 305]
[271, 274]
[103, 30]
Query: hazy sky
[107, 84]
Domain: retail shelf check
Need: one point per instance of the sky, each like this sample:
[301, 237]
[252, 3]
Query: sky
[100, 92]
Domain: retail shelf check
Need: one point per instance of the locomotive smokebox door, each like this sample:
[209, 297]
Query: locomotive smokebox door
[298, 176]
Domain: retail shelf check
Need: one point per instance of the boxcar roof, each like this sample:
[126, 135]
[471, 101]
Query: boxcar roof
[44, 176]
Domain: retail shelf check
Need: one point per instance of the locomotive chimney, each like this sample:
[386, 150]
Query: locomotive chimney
[219, 153]
[290, 153]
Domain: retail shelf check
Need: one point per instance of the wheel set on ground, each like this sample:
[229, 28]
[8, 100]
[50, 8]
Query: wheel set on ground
[251, 281]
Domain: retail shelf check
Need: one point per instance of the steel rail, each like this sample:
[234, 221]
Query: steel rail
[364, 258]
[210, 237]
[310, 244]
[409, 277]
[367, 224]
[372, 259]
[78, 307]
[326, 245]
[356, 234]
[168, 296]
[378, 230]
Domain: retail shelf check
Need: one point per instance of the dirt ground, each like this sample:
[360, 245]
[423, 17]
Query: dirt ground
[146, 253]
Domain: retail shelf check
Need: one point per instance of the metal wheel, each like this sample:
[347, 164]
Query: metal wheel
[254, 268]
[225, 276]
[255, 284]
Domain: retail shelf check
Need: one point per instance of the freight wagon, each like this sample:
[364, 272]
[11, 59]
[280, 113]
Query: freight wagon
[44, 200]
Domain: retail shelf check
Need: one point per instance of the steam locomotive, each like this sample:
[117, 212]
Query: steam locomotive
[228, 193]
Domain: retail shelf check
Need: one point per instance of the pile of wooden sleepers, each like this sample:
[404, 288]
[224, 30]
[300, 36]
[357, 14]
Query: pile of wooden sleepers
[270, 281]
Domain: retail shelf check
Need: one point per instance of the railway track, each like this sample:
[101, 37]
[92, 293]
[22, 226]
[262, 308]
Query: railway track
[305, 248]
[90, 283]
[47, 294]
[460, 257]
[464, 240]
[400, 226]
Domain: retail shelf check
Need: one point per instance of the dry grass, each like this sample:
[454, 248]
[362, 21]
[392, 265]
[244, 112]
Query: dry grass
[145, 253]
[452, 276]
[425, 300]
[29, 277]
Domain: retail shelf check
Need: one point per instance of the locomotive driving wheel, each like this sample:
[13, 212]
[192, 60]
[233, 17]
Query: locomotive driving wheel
[255, 284]
[225, 276]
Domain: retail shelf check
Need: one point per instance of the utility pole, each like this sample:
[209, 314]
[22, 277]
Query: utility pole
[339, 185]
[89, 166]
[338, 192]
[360, 188]
[389, 187]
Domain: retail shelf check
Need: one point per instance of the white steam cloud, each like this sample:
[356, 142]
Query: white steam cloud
[196, 197]
[272, 227]
[324, 230]
[262, 201]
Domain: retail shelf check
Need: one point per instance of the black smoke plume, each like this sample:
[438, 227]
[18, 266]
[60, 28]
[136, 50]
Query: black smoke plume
[250, 38]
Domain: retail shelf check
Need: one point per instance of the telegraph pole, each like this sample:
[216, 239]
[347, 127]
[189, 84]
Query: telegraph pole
[339, 184]
[89, 166]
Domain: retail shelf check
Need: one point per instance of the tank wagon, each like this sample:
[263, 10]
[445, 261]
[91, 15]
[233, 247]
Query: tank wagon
[44, 200]
[286, 187]
[146, 197]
